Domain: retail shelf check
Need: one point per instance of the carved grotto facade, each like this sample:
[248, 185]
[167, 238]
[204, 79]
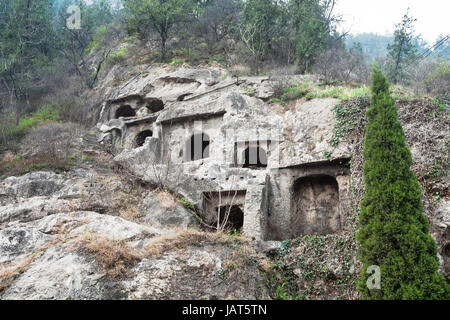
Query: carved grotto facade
[216, 141]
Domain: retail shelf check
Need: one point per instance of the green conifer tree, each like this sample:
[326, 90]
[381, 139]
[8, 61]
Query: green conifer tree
[393, 232]
[403, 50]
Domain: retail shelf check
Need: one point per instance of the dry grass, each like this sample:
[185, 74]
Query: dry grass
[180, 240]
[114, 256]
[130, 213]
[8, 275]
[166, 199]
[6, 158]
[126, 207]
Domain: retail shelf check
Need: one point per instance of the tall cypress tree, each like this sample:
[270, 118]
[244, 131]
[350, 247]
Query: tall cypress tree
[394, 233]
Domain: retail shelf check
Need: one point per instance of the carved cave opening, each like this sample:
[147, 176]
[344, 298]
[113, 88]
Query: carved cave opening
[125, 112]
[140, 137]
[223, 204]
[155, 105]
[234, 217]
[315, 206]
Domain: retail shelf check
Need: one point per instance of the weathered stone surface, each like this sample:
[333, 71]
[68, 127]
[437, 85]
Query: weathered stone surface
[31, 209]
[307, 133]
[57, 274]
[163, 212]
[35, 195]
[79, 223]
[441, 232]
[34, 184]
[19, 240]
[194, 273]
[316, 205]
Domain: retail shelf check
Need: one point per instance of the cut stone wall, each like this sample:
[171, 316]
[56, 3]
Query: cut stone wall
[285, 191]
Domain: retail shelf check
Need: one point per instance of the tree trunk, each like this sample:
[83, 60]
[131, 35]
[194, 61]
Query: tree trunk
[163, 48]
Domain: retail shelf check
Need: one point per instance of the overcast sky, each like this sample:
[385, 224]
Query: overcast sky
[379, 16]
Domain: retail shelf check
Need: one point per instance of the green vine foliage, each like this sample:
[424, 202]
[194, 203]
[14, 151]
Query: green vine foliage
[345, 119]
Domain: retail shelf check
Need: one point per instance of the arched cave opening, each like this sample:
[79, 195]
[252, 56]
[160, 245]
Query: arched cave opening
[315, 207]
[255, 157]
[155, 105]
[125, 112]
[197, 147]
[141, 136]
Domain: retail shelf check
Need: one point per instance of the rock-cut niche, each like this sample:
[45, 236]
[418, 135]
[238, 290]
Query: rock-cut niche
[141, 136]
[315, 207]
[125, 112]
[232, 216]
[155, 105]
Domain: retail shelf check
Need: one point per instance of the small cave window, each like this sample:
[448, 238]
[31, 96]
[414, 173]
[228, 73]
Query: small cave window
[125, 112]
[197, 147]
[232, 216]
[140, 138]
[155, 105]
[255, 157]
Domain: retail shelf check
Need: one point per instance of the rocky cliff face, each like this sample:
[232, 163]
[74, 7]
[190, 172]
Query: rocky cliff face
[130, 223]
[141, 245]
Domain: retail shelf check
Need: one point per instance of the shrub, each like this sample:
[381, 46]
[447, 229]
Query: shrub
[283, 91]
[114, 256]
[50, 146]
[176, 62]
[11, 132]
[117, 56]
[438, 81]
[96, 42]
[431, 77]
[292, 93]
[394, 232]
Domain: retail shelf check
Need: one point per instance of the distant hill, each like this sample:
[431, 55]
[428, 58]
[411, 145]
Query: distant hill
[373, 45]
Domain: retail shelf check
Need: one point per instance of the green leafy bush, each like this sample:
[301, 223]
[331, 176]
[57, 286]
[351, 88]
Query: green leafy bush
[95, 44]
[11, 132]
[117, 56]
[394, 234]
[176, 62]
[438, 81]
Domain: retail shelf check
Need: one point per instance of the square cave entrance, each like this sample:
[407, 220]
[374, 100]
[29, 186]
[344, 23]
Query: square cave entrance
[225, 206]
